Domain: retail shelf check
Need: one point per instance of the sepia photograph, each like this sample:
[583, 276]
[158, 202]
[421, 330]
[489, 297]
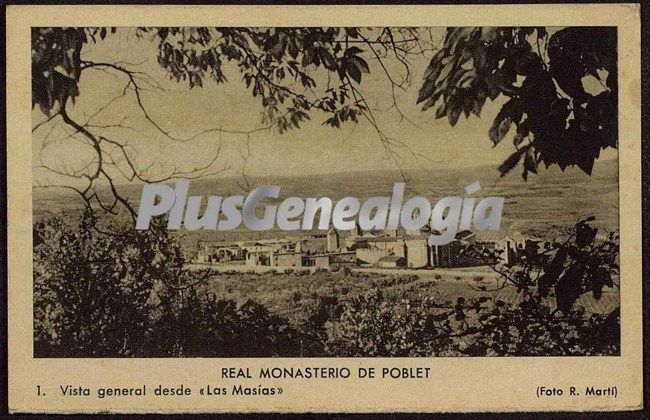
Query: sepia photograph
[324, 209]
[527, 114]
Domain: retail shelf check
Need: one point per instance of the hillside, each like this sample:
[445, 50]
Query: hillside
[541, 206]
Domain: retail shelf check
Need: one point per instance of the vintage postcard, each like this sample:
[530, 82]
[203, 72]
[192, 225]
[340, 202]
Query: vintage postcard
[324, 208]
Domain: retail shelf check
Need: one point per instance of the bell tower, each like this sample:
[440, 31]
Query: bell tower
[333, 244]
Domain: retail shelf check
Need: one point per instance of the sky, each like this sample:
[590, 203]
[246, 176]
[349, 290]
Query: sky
[312, 149]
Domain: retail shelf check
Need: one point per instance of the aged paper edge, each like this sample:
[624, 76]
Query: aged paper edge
[511, 375]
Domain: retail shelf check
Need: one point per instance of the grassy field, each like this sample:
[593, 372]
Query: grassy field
[290, 293]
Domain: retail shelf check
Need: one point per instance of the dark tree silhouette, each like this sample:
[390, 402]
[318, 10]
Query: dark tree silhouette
[557, 119]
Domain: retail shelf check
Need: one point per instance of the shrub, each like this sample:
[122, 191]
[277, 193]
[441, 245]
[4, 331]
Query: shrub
[92, 291]
[205, 326]
[373, 326]
[323, 309]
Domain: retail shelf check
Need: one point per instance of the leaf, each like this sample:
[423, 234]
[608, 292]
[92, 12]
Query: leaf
[353, 51]
[511, 111]
[466, 79]
[432, 100]
[360, 63]
[278, 46]
[332, 121]
[446, 69]
[453, 116]
[478, 104]
[512, 161]
[585, 235]
[352, 32]
[433, 70]
[568, 288]
[426, 91]
[442, 110]
[552, 272]
[456, 36]
[530, 164]
[293, 48]
[353, 71]
[328, 60]
[499, 129]
[308, 57]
